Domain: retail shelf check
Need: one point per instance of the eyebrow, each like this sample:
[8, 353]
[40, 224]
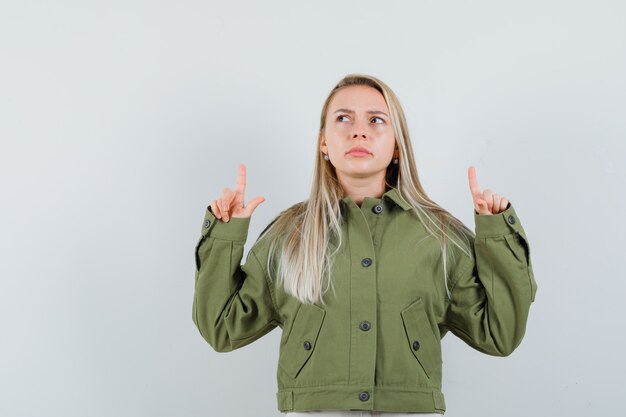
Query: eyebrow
[369, 111]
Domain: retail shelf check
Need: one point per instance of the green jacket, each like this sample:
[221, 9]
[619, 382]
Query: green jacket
[376, 345]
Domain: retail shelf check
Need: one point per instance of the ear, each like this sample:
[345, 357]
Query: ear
[323, 146]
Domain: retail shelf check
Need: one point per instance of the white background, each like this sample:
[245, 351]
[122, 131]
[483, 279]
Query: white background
[121, 120]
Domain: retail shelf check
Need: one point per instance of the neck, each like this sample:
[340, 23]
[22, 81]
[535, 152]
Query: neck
[359, 190]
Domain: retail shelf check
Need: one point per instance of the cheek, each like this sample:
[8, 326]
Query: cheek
[340, 127]
[384, 135]
[335, 134]
[382, 129]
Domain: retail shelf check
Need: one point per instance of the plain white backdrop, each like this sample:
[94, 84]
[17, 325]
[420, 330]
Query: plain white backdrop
[121, 120]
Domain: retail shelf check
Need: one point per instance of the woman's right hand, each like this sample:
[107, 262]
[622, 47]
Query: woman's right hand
[231, 204]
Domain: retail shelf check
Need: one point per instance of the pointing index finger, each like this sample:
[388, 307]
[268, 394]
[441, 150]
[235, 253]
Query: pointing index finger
[473, 183]
[241, 179]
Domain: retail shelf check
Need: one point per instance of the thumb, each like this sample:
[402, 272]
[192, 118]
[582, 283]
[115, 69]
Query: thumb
[253, 204]
[481, 207]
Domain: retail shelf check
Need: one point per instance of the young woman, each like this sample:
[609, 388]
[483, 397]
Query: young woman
[402, 270]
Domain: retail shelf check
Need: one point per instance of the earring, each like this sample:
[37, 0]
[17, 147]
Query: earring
[395, 161]
[326, 157]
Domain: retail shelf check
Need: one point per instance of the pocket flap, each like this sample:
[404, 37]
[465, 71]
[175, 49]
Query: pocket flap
[302, 338]
[420, 337]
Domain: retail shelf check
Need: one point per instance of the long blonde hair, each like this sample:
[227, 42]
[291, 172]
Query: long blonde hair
[307, 235]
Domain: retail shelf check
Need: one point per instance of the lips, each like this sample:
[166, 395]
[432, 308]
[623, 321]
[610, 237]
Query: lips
[358, 150]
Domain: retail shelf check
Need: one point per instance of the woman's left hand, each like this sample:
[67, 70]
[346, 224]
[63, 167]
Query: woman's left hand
[486, 202]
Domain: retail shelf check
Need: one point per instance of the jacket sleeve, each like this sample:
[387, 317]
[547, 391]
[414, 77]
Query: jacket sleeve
[233, 304]
[491, 294]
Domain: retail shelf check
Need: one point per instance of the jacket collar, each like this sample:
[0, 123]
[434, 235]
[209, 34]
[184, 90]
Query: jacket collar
[392, 195]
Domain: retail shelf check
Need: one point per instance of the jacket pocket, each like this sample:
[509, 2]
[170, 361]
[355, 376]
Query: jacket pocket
[302, 338]
[420, 337]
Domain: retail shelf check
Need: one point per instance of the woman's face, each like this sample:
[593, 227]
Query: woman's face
[358, 117]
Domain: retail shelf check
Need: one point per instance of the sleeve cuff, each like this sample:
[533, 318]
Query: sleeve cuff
[500, 224]
[236, 229]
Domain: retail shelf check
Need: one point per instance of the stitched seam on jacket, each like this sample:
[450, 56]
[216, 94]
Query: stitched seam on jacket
[460, 274]
[226, 239]
[483, 235]
[401, 388]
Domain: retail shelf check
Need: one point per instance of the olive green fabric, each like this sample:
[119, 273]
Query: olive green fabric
[376, 344]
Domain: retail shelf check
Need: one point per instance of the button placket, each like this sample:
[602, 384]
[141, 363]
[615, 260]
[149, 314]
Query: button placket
[364, 225]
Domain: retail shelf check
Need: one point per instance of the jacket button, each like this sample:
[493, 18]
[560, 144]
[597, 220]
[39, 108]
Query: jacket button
[207, 223]
[511, 219]
[365, 325]
[364, 396]
[366, 262]
[307, 345]
[416, 345]
[377, 209]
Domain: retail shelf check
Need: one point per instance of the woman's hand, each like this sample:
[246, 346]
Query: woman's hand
[231, 202]
[485, 202]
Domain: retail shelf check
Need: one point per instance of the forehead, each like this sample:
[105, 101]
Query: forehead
[358, 98]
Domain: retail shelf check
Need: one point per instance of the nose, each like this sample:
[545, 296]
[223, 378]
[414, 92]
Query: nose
[359, 130]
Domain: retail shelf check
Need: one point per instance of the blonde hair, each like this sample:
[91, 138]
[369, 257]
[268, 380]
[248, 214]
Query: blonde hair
[307, 235]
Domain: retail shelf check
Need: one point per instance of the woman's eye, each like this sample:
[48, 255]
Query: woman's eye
[381, 120]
